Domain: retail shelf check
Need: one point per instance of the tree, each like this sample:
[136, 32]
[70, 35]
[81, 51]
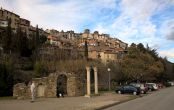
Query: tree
[132, 69]
[152, 52]
[141, 65]
[6, 77]
[21, 43]
[86, 50]
[133, 51]
[37, 38]
[43, 39]
[141, 47]
[7, 38]
[40, 69]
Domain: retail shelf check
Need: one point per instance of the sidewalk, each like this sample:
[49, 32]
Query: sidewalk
[67, 103]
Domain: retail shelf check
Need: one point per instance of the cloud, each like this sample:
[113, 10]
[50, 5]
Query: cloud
[66, 15]
[134, 20]
[171, 35]
[167, 29]
[169, 53]
[139, 9]
[61, 16]
[100, 28]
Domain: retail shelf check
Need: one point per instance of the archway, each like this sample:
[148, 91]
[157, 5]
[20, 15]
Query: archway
[40, 90]
[62, 84]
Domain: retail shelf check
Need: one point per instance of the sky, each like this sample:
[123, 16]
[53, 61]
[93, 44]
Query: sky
[132, 21]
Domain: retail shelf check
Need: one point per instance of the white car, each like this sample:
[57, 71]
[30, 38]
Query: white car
[152, 86]
[171, 83]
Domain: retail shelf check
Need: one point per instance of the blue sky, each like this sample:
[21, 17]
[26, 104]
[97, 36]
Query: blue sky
[138, 21]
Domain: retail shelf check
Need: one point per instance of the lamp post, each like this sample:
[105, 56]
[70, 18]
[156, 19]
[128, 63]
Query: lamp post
[109, 79]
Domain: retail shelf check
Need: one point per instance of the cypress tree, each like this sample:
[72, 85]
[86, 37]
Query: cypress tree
[37, 38]
[86, 50]
[7, 38]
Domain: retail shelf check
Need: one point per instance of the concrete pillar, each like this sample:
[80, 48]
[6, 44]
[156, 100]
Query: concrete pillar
[96, 80]
[88, 82]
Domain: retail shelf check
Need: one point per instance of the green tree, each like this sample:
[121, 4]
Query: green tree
[86, 50]
[37, 38]
[141, 47]
[6, 77]
[7, 38]
[141, 65]
[40, 69]
[43, 39]
[21, 43]
[152, 52]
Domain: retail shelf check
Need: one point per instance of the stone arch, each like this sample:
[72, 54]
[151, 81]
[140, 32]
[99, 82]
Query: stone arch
[71, 83]
[61, 84]
[40, 92]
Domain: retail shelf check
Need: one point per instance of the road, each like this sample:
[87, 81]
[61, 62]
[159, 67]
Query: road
[66, 103]
[159, 100]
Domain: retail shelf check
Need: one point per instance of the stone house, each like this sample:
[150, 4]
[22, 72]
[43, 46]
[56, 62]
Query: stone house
[6, 15]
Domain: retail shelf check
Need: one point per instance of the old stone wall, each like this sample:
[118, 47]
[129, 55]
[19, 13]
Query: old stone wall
[20, 90]
[47, 86]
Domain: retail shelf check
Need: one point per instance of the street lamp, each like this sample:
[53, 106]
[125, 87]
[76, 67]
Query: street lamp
[109, 79]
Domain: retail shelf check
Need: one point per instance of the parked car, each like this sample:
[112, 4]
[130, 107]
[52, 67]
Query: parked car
[152, 86]
[128, 89]
[143, 88]
[171, 83]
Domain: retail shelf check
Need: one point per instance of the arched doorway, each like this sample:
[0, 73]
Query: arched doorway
[62, 84]
[41, 90]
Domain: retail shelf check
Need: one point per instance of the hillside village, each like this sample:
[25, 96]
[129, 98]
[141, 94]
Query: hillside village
[28, 52]
[100, 46]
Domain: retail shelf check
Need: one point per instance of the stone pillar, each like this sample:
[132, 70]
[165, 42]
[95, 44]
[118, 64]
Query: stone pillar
[88, 82]
[96, 80]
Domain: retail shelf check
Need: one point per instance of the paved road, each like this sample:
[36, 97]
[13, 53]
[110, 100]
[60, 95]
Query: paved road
[66, 103]
[160, 100]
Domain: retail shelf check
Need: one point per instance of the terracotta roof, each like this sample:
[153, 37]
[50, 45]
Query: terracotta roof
[119, 49]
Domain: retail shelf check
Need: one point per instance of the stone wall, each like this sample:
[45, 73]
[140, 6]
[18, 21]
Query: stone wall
[20, 90]
[47, 86]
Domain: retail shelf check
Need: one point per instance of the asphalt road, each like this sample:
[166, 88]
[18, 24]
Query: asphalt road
[159, 100]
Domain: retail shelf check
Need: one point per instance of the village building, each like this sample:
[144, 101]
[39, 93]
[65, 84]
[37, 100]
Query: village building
[6, 15]
[17, 22]
[100, 46]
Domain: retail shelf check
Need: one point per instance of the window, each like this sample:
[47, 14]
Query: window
[126, 87]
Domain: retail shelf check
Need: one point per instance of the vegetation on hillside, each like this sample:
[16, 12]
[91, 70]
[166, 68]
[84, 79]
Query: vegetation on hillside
[143, 64]
[17, 57]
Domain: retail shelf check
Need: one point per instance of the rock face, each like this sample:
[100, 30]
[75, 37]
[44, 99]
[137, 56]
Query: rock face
[48, 86]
